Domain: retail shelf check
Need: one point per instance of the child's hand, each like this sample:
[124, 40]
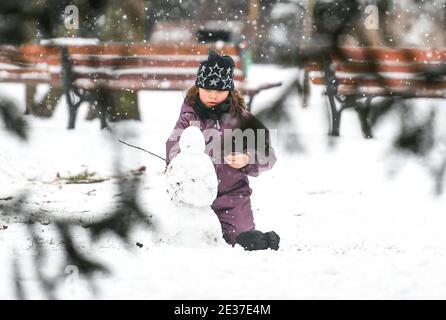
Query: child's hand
[237, 160]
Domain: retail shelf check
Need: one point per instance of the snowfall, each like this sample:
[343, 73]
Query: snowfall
[357, 220]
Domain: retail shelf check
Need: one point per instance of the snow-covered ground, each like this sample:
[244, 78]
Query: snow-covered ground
[355, 220]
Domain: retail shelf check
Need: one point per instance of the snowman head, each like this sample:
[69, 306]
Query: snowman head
[192, 140]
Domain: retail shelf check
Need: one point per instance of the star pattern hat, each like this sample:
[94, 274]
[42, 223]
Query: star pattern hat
[216, 73]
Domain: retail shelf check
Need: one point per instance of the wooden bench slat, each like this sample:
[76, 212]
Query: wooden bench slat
[404, 70]
[408, 55]
[137, 77]
[356, 72]
[112, 65]
[385, 82]
[105, 70]
[110, 59]
[125, 81]
[391, 91]
[121, 83]
[356, 67]
[127, 49]
[141, 84]
[400, 76]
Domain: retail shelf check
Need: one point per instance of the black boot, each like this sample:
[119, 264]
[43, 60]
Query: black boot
[257, 240]
[273, 240]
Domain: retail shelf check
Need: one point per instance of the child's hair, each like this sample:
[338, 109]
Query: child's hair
[237, 100]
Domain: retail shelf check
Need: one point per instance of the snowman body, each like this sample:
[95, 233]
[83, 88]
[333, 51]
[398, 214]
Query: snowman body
[192, 186]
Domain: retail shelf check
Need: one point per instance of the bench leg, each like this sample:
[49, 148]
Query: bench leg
[69, 89]
[334, 113]
[72, 114]
[335, 122]
[363, 114]
[103, 119]
[73, 107]
[103, 101]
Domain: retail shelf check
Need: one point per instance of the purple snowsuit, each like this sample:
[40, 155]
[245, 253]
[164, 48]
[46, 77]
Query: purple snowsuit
[233, 204]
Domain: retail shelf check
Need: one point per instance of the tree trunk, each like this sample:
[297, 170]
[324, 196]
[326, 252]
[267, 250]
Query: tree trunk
[45, 107]
[125, 21]
[124, 105]
[30, 91]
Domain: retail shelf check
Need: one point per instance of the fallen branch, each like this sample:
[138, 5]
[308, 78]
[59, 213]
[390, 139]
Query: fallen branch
[153, 154]
[87, 181]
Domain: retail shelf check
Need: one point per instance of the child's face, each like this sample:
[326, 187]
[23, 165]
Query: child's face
[211, 98]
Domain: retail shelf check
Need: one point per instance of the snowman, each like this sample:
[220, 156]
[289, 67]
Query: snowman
[192, 186]
[191, 175]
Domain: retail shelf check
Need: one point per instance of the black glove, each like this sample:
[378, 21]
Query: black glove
[257, 240]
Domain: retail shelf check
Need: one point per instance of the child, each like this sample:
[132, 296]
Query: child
[214, 104]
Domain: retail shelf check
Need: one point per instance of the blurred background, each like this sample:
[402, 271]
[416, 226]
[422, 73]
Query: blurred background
[272, 28]
[348, 205]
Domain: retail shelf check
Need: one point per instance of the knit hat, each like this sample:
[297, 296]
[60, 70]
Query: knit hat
[216, 73]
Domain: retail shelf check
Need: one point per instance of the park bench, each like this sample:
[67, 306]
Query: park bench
[84, 66]
[351, 74]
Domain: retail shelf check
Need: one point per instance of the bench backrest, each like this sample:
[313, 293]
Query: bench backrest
[385, 71]
[113, 65]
